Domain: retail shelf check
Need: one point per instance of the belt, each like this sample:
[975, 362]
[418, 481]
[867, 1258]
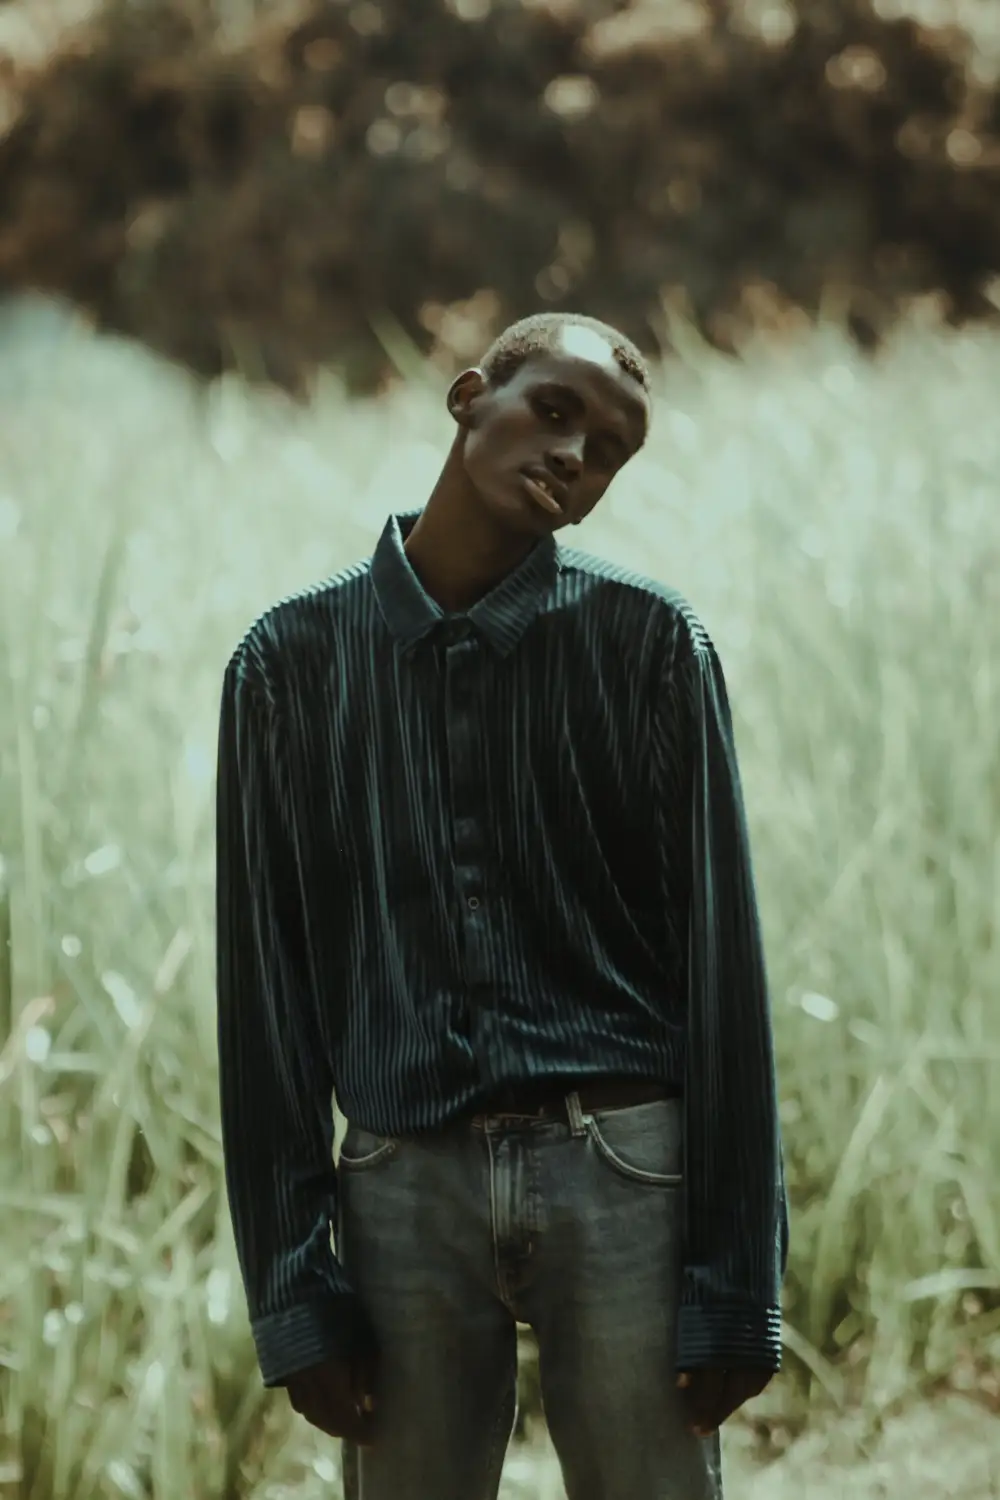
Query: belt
[545, 1099]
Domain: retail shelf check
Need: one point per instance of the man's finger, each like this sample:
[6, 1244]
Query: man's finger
[301, 1392]
[333, 1408]
[361, 1428]
[716, 1407]
[326, 1398]
[749, 1383]
[704, 1393]
[721, 1401]
[363, 1384]
[352, 1390]
[348, 1424]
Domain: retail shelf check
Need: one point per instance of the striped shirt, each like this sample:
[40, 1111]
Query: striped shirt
[457, 852]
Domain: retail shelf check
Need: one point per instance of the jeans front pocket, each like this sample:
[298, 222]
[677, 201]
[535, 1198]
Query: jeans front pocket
[642, 1142]
[363, 1149]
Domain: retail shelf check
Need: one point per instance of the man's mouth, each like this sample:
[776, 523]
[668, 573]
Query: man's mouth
[543, 492]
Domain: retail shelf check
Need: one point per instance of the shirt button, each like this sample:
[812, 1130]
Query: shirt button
[473, 903]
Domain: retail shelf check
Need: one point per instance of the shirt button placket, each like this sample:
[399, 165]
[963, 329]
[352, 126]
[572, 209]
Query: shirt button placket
[466, 794]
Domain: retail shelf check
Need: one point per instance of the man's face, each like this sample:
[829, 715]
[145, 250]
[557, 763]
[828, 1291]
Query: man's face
[542, 450]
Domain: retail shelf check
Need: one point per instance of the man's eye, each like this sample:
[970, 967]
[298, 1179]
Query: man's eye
[550, 413]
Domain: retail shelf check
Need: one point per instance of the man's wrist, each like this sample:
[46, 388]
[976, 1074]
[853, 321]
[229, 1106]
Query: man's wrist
[309, 1333]
[728, 1335]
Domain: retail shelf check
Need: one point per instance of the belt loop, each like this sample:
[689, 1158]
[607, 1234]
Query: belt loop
[574, 1112]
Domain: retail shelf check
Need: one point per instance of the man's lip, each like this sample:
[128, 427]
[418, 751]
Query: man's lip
[557, 490]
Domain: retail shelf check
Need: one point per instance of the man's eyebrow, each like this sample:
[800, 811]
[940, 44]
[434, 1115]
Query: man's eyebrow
[565, 392]
[574, 400]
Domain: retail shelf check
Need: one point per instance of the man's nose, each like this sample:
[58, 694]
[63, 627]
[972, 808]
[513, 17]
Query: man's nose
[566, 454]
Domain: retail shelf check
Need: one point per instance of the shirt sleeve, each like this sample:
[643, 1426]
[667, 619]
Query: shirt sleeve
[275, 1080]
[736, 1219]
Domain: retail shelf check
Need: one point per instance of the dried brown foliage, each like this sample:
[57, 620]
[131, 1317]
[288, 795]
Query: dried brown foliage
[456, 165]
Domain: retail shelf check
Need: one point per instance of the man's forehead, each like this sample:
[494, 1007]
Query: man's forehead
[585, 358]
[585, 344]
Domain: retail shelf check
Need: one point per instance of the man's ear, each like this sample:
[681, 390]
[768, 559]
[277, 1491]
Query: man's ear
[464, 395]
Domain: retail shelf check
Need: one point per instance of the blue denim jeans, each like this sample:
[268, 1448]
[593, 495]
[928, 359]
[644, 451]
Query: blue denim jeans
[453, 1238]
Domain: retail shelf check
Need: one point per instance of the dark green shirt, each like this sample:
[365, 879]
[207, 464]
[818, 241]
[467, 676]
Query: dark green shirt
[458, 852]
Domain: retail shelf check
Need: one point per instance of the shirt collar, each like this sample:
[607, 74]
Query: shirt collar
[502, 615]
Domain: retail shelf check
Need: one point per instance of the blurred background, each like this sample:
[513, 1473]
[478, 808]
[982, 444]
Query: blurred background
[243, 246]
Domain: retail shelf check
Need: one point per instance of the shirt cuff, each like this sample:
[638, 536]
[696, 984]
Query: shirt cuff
[308, 1334]
[728, 1336]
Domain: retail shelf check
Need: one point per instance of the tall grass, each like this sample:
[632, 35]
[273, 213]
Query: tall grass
[838, 526]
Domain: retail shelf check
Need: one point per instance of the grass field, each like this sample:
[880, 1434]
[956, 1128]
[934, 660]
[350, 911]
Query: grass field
[836, 523]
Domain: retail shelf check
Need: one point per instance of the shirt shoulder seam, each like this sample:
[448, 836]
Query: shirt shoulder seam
[257, 642]
[617, 575]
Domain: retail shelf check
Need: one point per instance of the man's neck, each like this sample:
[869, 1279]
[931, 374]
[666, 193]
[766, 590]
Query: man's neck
[457, 550]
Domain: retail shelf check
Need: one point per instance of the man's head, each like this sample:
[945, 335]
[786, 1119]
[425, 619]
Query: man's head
[557, 407]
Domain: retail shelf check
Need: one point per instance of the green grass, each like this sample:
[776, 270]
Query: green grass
[838, 526]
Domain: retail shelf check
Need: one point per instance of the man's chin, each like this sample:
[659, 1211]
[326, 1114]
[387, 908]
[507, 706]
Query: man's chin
[521, 515]
[515, 513]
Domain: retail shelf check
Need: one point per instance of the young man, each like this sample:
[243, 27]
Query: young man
[483, 872]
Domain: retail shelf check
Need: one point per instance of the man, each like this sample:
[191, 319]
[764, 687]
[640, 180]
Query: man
[483, 873]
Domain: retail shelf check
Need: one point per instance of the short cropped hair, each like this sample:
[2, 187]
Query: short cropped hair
[540, 334]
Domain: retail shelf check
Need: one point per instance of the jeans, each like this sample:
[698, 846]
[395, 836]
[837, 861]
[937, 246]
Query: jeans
[452, 1238]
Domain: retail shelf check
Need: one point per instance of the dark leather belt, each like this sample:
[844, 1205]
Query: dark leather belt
[545, 1099]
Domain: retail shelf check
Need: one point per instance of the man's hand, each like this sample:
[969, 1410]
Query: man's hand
[713, 1395]
[338, 1398]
